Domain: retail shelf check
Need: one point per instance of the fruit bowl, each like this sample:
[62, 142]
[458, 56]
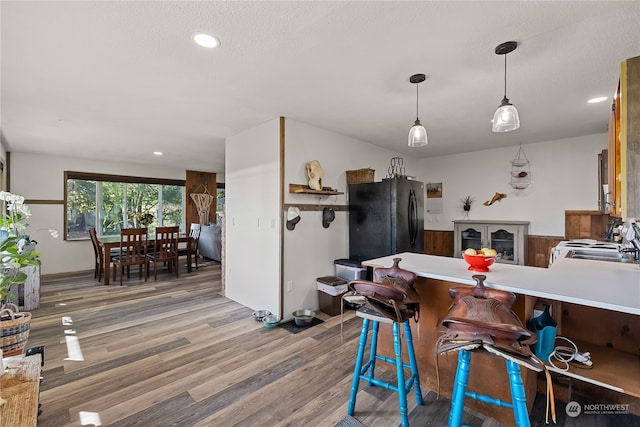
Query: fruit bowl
[479, 263]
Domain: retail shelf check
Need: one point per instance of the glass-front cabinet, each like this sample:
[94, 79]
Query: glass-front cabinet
[508, 238]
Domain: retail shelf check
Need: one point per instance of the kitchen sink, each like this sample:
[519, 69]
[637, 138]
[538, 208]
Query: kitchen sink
[611, 256]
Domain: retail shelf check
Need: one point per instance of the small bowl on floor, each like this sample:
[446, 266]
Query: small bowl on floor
[260, 314]
[303, 317]
[271, 321]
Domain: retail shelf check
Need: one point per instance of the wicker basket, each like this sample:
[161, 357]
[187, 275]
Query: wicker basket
[361, 176]
[14, 331]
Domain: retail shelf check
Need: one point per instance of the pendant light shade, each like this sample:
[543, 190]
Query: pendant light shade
[417, 133]
[506, 117]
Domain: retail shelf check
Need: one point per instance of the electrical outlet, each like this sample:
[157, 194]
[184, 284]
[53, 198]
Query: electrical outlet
[290, 286]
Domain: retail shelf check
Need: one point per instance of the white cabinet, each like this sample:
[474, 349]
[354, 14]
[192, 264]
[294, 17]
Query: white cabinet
[508, 238]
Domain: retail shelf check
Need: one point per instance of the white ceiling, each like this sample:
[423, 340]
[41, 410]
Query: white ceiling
[118, 80]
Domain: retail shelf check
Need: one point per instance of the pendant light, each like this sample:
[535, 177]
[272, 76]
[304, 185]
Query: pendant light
[417, 134]
[506, 116]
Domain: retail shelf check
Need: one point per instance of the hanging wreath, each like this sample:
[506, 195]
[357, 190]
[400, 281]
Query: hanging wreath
[203, 204]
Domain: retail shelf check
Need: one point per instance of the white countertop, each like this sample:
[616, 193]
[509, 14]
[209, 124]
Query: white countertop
[608, 285]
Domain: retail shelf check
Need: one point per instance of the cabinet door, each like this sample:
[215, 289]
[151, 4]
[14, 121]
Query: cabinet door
[468, 236]
[471, 237]
[613, 159]
[505, 240]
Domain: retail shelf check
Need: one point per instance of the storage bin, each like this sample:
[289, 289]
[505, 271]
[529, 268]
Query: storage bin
[329, 304]
[330, 291]
[350, 270]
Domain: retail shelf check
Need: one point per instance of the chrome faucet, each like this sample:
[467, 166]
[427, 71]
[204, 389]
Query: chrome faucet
[612, 227]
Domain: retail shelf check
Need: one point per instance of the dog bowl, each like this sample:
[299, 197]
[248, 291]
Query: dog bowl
[271, 320]
[303, 317]
[260, 314]
[479, 263]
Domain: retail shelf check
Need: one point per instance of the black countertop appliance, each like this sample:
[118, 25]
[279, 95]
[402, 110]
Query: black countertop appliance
[386, 218]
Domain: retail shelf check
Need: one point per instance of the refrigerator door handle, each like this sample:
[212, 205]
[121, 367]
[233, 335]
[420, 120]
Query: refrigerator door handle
[413, 217]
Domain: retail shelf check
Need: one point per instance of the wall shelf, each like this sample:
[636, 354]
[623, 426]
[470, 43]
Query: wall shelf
[305, 189]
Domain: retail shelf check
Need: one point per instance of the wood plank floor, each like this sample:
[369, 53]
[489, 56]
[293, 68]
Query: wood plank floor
[176, 353]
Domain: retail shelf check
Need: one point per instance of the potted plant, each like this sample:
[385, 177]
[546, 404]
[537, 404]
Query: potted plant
[466, 205]
[14, 325]
[15, 247]
[144, 218]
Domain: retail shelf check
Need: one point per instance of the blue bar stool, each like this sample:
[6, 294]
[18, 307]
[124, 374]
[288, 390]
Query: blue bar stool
[518, 397]
[481, 318]
[365, 370]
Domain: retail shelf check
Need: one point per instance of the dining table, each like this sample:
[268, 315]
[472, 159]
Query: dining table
[113, 242]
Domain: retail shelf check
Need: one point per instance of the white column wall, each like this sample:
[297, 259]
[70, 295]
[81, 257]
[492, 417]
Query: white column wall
[41, 177]
[252, 220]
[310, 249]
[564, 176]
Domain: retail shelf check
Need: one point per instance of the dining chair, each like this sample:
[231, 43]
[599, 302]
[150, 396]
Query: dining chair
[165, 250]
[194, 233]
[133, 243]
[97, 252]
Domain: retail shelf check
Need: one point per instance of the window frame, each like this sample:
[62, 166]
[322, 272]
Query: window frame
[126, 179]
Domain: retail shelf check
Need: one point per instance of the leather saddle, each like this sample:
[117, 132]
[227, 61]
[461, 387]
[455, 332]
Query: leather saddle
[482, 317]
[391, 293]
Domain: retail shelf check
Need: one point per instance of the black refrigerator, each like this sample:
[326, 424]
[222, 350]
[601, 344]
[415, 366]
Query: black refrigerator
[385, 218]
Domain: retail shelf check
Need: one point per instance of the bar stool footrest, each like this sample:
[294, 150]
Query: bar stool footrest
[391, 361]
[488, 399]
[379, 383]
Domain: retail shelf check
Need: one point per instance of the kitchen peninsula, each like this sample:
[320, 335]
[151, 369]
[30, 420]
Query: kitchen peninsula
[596, 303]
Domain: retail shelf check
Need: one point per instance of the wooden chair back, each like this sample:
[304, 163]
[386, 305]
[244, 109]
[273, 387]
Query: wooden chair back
[165, 248]
[133, 244]
[97, 251]
[194, 233]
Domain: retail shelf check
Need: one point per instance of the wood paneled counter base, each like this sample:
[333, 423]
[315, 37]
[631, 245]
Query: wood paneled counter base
[19, 387]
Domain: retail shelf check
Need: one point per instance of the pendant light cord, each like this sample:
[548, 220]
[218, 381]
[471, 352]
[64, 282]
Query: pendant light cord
[417, 94]
[505, 75]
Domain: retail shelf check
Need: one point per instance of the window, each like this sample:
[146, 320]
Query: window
[113, 202]
[220, 203]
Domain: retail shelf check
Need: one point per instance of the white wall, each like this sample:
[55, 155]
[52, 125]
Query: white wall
[252, 217]
[564, 176]
[310, 249]
[36, 176]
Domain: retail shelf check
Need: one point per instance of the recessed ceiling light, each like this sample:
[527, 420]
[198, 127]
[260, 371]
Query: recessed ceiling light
[157, 153]
[596, 100]
[205, 40]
